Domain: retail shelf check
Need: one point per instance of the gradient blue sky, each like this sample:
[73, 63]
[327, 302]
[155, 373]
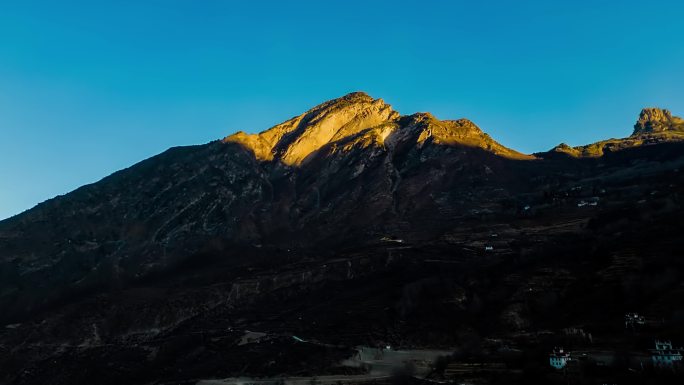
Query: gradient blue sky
[90, 87]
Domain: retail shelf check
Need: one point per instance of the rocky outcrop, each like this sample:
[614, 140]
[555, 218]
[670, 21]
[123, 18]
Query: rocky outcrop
[654, 126]
[653, 120]
[461, 132]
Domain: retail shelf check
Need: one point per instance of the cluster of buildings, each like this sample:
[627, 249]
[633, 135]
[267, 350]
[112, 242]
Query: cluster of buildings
[559, 358]
[664, 356]
[634, 320]
[585, 203]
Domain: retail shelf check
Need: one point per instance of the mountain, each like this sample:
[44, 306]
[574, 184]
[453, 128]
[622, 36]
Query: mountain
[298, 184]
[358, 119]
[348, 225]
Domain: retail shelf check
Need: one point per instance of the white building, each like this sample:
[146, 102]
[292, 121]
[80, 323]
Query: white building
[559, 358]
[634, 320]
[664, 355]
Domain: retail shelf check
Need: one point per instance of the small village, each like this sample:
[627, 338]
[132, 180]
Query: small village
[663, 357]
[586, 363]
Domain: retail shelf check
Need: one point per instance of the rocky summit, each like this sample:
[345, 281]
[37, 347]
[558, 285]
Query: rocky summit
[358, 119]
[345, 232]
[654, 125]
[293, 141]
[657, 120]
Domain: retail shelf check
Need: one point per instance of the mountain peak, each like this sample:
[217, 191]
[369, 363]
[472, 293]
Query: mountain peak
[356, 95]
[294, 140]
[460, 132]
[654, 119]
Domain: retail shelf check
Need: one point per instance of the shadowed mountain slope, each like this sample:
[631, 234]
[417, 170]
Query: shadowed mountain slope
[327, 176]
[348, 169]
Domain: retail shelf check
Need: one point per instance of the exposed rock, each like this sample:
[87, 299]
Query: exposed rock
[654, 126]
[461, 132]
[566, 149]
[291, 142]
[356, 118]
[657, 120]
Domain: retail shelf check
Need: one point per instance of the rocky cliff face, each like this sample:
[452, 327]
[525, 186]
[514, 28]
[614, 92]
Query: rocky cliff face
[357, 117]
[293, 141]
[392, 228]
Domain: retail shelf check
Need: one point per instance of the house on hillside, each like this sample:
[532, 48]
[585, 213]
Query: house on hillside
[634, 320]
[559, 358]
[665, 356]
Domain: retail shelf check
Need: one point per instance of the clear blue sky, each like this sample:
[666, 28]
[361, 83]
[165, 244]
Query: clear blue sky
[90, 87]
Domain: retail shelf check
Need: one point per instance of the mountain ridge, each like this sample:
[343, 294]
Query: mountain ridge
[295, 139]
[292, 141]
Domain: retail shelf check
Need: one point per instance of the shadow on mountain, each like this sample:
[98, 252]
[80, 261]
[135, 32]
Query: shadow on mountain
[402, 237]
